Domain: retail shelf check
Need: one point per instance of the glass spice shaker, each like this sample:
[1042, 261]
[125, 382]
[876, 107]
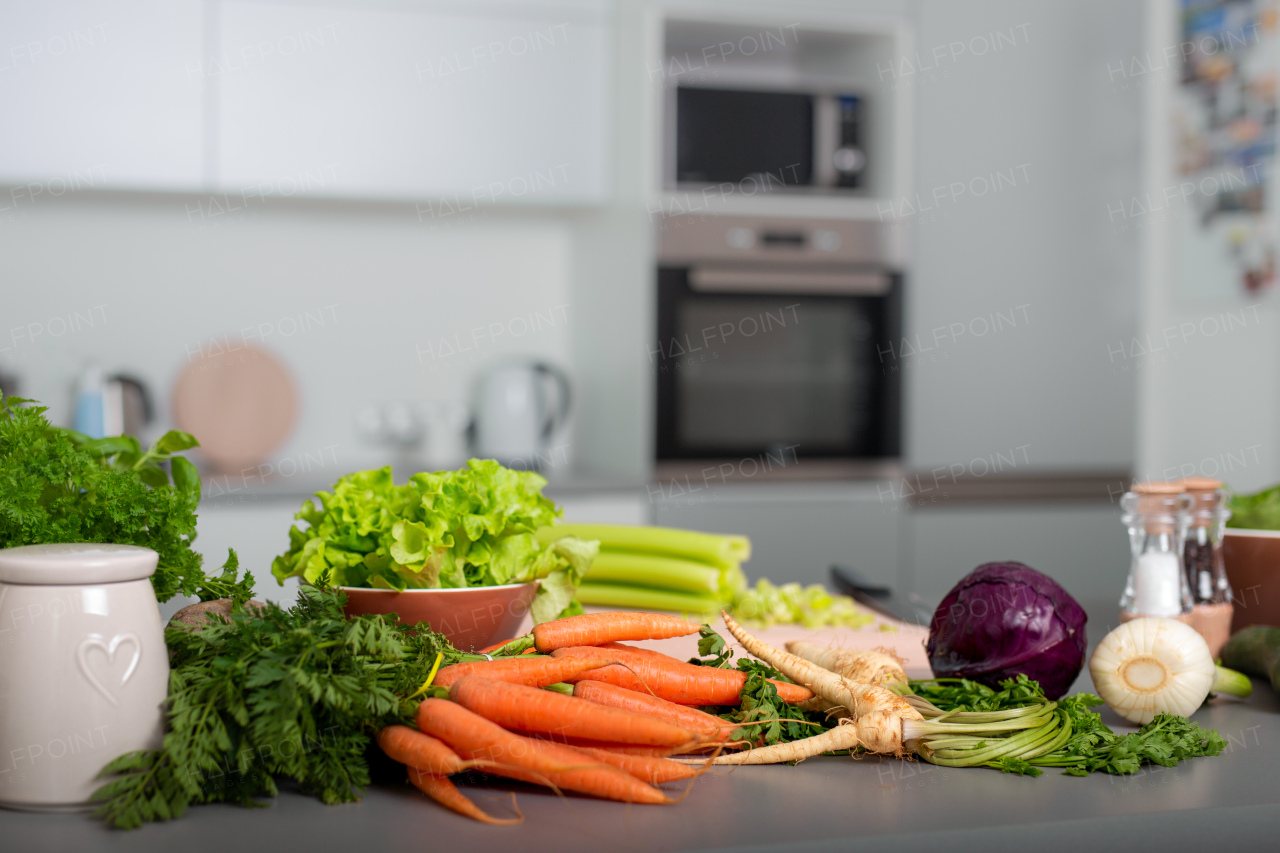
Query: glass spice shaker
[1157, 515]
[1202, 556]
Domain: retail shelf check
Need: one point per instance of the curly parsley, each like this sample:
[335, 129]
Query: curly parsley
[57, 485]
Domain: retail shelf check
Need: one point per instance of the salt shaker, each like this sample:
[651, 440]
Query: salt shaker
[1202, 555]
[1157, 517]
[84, 670]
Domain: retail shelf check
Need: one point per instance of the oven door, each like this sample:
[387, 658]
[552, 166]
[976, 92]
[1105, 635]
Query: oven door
[756, 360]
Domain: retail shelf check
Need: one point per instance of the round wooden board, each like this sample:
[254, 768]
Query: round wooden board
[241, 405]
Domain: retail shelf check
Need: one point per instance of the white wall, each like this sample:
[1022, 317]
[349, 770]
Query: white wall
[359, 301]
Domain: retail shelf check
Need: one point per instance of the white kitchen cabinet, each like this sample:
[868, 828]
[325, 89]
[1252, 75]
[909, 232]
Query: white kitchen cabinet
[456, 105]
[1083, 546]
[100, 95]
[797, 530]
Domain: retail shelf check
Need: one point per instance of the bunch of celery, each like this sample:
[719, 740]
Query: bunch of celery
[659, 568]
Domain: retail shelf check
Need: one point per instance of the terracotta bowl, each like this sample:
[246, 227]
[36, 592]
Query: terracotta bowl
[471, 618]
[1252, 558]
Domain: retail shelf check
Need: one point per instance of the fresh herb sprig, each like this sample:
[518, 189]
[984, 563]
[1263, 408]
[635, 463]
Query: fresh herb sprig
[762, 715]
[57, 485]
[294, 693]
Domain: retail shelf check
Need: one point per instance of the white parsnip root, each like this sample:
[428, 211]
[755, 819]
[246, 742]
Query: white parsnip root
[876, 714]
[864, 666]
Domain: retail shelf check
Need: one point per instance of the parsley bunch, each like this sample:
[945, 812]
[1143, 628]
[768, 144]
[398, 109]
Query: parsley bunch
[295, 693]
[57, 485]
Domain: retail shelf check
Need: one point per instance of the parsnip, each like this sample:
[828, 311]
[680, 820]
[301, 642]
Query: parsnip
[877, 714]
[865, 666]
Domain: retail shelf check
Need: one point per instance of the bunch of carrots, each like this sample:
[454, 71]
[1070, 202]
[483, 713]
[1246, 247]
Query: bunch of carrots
[629, 710]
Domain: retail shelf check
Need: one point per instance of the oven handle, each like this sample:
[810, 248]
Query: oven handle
[721, 280]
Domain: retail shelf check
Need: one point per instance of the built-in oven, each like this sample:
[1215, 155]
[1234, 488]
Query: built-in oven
[772, 341]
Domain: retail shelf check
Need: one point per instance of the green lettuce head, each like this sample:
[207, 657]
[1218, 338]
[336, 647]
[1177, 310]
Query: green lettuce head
[449, 529]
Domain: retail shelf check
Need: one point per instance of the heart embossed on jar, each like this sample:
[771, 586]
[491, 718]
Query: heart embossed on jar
[109, 649]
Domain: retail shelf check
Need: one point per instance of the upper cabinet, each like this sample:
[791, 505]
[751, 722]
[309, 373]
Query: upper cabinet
[481, 101]
[442, 102]
[101, 95]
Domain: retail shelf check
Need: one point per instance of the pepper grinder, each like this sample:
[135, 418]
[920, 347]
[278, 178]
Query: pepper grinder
[1202, 557]
[1157, 515]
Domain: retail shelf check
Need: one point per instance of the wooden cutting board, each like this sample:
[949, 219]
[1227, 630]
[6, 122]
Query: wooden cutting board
[242, 405]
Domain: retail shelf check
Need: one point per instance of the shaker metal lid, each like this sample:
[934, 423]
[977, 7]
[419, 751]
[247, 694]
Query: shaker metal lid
[84, 562]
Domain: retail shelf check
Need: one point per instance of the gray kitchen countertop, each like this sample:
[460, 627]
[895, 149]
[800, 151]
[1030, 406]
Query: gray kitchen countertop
[821, 804]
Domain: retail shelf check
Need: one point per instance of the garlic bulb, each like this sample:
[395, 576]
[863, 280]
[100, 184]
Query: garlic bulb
[1151, 665]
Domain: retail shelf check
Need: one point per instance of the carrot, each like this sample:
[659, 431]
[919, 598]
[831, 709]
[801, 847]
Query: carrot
[534, 672]
[620, 748]
[440, 789]
[684, 716]
[529, 760]
[528, 709]
[675, 681]
[645, 768]
[428, 754]
[496, 646]
[592, 629]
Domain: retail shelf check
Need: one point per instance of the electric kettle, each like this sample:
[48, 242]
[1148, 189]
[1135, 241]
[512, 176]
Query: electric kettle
[519, 406]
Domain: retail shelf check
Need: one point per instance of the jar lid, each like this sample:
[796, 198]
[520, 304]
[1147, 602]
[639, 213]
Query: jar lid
[82, 562]
[1200, 484]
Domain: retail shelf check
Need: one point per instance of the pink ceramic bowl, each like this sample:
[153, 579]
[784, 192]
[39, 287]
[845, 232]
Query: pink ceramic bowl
[470, 618]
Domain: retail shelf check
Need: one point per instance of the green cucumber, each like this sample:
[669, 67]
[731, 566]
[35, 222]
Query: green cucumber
[1255, 650]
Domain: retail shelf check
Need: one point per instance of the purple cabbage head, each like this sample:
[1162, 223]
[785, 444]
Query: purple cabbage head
[1006, 618]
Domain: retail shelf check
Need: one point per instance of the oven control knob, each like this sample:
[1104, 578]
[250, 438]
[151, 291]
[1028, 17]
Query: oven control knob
[848, 160]
[740, 238]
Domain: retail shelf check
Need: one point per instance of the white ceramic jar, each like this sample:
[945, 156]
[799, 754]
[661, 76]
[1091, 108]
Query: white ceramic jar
[84, 670]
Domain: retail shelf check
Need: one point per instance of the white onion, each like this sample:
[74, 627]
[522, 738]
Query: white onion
[1150, 665]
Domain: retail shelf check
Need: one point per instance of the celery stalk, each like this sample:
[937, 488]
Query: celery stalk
[720, 550]
[668, 573]
[617, 595]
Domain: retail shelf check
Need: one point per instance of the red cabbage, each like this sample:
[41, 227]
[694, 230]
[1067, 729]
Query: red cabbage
[1006, 618]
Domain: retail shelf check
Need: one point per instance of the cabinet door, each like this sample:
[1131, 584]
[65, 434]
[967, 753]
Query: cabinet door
[100, 95]
[472, 102]
[797, 531]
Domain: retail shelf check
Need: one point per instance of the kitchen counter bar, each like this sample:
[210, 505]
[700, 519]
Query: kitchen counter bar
[822, 804]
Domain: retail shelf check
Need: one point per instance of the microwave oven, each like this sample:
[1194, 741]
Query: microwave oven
[781, 140]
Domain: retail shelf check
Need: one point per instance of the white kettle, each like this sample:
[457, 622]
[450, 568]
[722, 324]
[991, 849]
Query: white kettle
[519, 407]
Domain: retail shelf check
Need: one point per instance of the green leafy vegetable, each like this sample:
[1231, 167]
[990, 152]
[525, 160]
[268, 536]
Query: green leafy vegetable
[57, 485]
[1260, 511]
[465, 528]
[294, 693]
[1073, 737]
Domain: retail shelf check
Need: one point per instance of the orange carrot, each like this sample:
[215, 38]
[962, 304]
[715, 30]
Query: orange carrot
[528, 709]
[645, 768]
[529, 760]
[682, 683]
[621, 748]
[496, 646]
[535, 672]
[592, 629]
[704, 724]
[440, 789]
[428, 754]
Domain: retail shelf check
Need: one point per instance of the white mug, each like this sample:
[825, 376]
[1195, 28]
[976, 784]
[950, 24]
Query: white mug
[84, 670]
